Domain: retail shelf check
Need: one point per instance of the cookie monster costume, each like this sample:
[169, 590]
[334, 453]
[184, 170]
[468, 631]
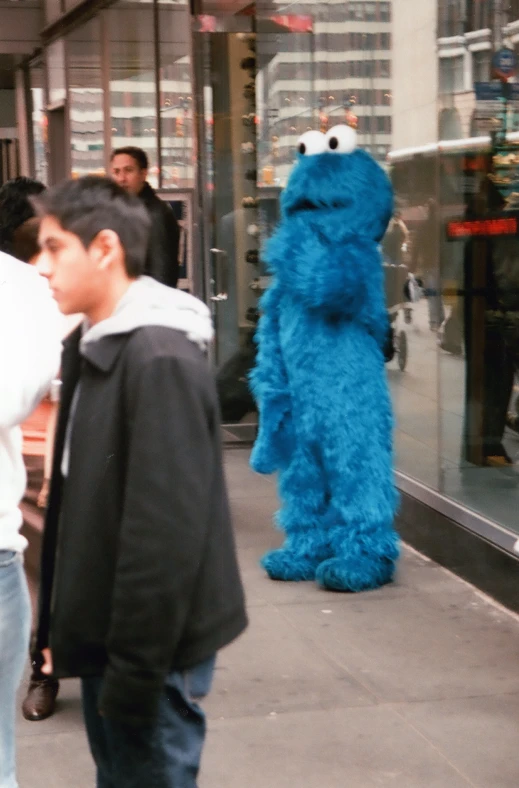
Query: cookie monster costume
[319, 380]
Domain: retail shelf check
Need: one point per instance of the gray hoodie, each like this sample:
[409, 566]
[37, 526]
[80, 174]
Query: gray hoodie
[149, 303]
[146, 303]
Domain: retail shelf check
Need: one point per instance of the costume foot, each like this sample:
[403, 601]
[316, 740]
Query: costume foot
[359, 574]
[286, 564]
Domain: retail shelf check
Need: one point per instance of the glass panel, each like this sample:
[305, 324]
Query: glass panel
[55, 62]
[133, 94]
[412, 244]
[86, 100]
[176, 96]
[478, 181]
[39, 123]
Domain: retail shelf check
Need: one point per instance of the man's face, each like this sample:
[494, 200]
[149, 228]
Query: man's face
[72, 271]
[127, 174]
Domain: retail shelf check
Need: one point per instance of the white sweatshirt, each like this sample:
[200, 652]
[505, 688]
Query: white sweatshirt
[30, 346]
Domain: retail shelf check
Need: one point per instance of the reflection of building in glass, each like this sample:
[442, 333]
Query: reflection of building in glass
[320, 79]
[468, 32]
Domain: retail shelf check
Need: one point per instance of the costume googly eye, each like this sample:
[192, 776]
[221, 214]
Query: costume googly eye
[341, 139]
[311, 143]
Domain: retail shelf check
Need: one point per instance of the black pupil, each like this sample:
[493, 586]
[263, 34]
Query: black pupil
[333, 143]
[302, 148]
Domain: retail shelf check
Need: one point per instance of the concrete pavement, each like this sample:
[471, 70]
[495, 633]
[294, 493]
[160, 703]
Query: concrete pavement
[415, 685]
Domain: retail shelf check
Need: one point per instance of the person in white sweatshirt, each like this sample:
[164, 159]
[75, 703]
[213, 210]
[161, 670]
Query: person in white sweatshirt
[30, 347]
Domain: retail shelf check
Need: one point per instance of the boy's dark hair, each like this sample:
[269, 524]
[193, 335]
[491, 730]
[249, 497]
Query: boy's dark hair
[88, 205]
[16, 208]
[25, 240]
[138, 154]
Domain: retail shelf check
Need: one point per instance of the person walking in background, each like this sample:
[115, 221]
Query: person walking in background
[29, 359]
[129, 169]
[396, 240]
[138, 551]
[426, 263]
[19, 228]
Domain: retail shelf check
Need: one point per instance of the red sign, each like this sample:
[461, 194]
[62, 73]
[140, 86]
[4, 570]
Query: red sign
[482, 228]
[296, 24]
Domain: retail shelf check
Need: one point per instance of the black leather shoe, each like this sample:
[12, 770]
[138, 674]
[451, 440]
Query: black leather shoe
[40, 702]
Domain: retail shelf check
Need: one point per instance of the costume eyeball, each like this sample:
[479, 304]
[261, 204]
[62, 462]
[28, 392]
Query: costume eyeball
[340, 139]
[311, 143]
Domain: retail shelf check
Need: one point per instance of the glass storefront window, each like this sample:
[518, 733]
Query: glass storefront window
[85, 93]
[133, 92]
[39, 123]
[454, 164]
[176, 99]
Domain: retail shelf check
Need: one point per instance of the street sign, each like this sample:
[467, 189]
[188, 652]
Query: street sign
[488, 91]
[494, 91]
[504, 63]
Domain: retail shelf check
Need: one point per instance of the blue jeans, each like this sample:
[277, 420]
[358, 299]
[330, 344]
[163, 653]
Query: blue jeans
[15, 626]
[165, 755]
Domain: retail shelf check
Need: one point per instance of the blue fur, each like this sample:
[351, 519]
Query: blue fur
[320, 383]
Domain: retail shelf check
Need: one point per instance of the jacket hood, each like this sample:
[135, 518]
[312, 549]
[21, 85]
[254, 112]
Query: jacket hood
[149, 303]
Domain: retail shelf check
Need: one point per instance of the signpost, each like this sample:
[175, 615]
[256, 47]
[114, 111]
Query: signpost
[504, 64]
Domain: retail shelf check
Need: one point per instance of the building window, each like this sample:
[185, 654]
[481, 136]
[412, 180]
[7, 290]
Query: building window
[370, 12]
[478, 14]
[452, 78]
[451, 17]
[384, 41]
[384, 12]
[481, 66]
[513, 11]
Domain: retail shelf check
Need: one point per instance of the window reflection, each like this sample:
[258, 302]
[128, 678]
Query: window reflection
[86, 100]
[133, 94]
[39, 123]
[176, 99]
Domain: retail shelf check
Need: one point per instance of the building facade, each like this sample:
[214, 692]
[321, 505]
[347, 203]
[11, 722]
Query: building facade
[218, 91]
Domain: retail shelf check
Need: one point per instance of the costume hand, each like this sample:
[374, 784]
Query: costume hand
[263, 459]
[47, 667]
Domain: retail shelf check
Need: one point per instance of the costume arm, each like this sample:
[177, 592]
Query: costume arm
[270, 387]
[334, 280]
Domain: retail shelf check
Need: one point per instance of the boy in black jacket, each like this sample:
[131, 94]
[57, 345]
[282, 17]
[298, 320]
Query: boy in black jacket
[139, 585]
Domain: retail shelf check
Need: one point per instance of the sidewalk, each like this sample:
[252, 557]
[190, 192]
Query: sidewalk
[415, 686]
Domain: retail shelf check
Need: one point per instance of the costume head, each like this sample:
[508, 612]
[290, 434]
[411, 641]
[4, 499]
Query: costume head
[335, 210]
[334, 185]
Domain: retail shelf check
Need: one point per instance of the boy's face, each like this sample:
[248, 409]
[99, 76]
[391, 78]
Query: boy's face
[73, 272]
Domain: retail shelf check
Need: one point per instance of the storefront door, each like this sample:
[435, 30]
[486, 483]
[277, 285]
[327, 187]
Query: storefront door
[241, 176]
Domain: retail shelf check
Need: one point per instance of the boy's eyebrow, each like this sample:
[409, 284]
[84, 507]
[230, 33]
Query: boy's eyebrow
[44, 241]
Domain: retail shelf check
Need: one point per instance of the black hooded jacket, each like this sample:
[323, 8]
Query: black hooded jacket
[162, 257]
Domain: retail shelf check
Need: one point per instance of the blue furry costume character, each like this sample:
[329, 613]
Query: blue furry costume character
[320, 383]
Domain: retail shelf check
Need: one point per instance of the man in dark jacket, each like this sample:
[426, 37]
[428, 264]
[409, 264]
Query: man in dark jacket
[139, 584]
[129, 168]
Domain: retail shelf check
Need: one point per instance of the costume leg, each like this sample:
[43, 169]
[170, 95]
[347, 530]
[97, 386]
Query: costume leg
[303, 518]
[362, 509]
